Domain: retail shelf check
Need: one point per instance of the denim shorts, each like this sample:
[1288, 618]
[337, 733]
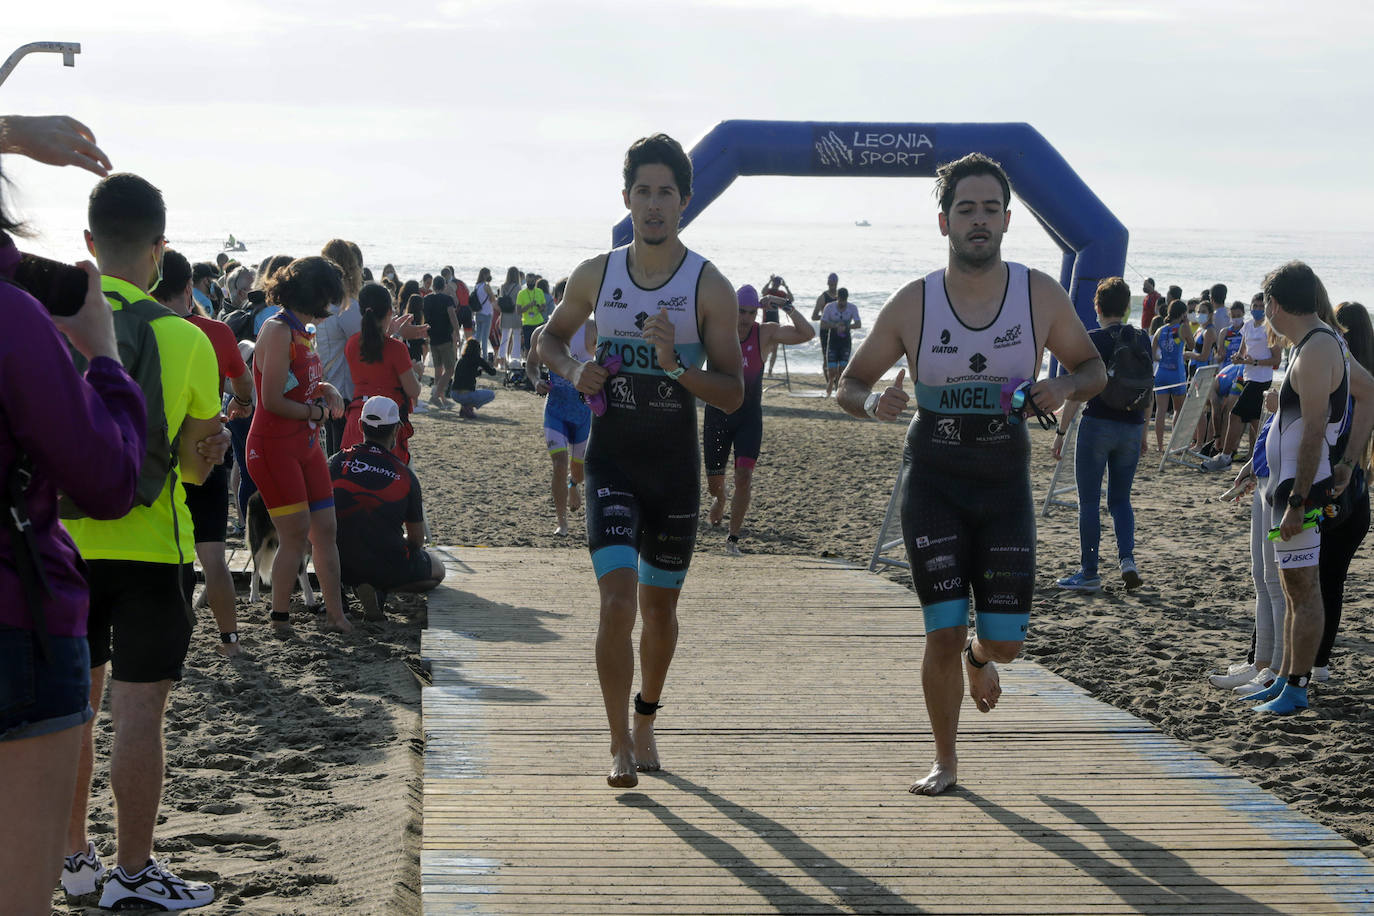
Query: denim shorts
[40, 697]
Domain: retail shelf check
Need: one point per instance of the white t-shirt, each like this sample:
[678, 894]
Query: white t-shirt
[1257, 347]
[834, 314]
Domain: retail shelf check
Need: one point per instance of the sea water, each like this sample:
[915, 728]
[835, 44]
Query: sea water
[872, 262]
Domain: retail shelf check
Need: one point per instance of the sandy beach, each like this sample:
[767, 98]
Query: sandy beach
[294, 771]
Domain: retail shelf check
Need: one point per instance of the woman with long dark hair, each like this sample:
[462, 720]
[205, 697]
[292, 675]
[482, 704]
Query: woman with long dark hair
[1341, 540]
[285, 454]
[379, 365]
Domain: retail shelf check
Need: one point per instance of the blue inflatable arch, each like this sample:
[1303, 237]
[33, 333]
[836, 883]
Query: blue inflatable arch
[1092, 239]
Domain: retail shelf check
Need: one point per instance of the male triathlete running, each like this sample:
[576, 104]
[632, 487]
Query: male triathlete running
[662, 309]
[743, 429]
[973, 333]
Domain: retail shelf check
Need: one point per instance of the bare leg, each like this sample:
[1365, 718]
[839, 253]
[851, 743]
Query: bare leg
[1304, 620]
[560, 490]
[1161, 413]
[715, 483]
[40, 775]
[219, 591]
[657, 643]
[615, 668]
[136, 766]
[325, 553]
[739, 502]
[578, 474]
[85, 767]
[942, 682]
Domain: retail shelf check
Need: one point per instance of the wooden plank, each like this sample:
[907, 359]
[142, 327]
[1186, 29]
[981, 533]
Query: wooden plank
[792, 728]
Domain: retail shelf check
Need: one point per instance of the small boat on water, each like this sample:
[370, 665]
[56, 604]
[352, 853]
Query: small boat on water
[862, 222]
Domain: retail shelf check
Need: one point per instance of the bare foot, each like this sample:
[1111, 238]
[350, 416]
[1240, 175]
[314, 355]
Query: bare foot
[716, 513]
[228, 649]
[984, 686]
[283, 629]
[623, 775]
[646, 749]
[338, 624]
[940, 778]
[574, 497]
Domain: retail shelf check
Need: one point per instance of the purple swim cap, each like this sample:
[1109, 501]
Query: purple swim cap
[748, 297]
[833, 278]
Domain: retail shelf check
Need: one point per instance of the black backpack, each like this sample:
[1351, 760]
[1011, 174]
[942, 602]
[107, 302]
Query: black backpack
[240, 322]
[1130, 370]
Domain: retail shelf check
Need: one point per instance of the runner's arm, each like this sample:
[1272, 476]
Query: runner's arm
[579, 302]
[819, 309]
[721, 383]
[879, 352]
[194, 467]
[800, 331]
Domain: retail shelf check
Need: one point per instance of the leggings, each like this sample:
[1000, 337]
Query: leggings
[1338, 549]
[1270, 605]
[510, 341]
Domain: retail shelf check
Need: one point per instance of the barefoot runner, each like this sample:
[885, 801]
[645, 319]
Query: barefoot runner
[973, 333]
[663, 310]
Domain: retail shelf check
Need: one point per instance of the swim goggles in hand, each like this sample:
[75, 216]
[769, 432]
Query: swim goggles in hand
[1310, 519]
[1021, 402]
[611, 362]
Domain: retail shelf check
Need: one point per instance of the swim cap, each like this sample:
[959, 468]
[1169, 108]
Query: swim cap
[833, 278]
[748, 297]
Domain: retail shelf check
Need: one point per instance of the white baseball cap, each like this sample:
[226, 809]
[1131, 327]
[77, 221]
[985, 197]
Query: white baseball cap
[381, 411]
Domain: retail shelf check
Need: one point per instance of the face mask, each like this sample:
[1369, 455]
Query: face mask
[1257, 314]
[1237, 322]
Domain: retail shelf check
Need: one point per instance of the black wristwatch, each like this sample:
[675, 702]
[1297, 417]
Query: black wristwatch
[1295, 501]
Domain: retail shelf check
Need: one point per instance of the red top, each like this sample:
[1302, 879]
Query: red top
[303, 377]
[231, 364]
[1147, 309]
[382, 378]
[460, 292]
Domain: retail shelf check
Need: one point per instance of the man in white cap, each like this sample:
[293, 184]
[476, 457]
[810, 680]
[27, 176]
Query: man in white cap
[380, 515]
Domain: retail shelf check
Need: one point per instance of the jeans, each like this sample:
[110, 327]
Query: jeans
[238, 431]
[475, 398]
[1112, 446]
[482, 323]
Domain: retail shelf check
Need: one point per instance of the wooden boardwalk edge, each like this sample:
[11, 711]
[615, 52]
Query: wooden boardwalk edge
[1069, 804]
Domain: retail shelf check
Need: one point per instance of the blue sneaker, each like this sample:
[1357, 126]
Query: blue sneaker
[1079, 582]
[1290, 700]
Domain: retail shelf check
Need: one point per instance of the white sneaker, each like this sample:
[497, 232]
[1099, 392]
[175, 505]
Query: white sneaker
[1234, 677]
[154, 887]
[1321, 674]
[421, 407]
[732, 548]
[1261, 681]
[82, 872]
[1218, 462]
[561, 531]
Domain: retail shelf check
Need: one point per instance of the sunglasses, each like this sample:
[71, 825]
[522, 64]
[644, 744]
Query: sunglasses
[1021, 402]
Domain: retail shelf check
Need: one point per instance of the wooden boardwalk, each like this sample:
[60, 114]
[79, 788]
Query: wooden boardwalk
[792, 727]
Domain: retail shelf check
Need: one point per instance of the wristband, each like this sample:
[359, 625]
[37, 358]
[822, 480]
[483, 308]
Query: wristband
[675, 374]
[240, 400]
[788, 307]
[1348, 462]
[1060, 432]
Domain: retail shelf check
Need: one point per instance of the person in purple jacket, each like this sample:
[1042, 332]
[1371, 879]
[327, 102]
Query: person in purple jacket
[85, 437]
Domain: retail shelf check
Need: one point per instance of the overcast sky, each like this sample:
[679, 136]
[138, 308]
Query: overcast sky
[1228, 114]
